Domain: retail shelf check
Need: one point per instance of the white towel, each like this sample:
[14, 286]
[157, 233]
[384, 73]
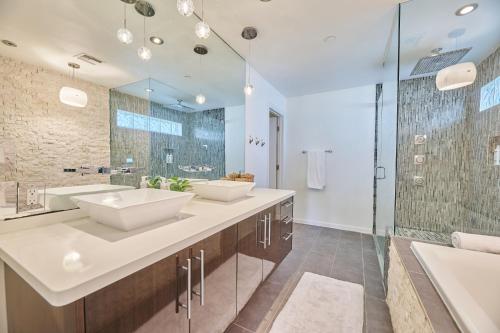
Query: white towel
[475, 242]
[316, 169]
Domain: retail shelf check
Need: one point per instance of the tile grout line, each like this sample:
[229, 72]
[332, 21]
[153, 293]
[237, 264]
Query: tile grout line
[335, 254]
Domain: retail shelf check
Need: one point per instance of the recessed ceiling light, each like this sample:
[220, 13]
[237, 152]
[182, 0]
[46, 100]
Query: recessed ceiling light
[329, 38]
[156, 40]
[467, 9]
[149, 90]
[265, 0]
[9, 43]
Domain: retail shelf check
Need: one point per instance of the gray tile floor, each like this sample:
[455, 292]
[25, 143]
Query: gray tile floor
[335, 253]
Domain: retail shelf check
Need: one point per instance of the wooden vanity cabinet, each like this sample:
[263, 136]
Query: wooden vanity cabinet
[146, 301]
[286, 226]
[218, 310]
[225, 268]
[264, 240]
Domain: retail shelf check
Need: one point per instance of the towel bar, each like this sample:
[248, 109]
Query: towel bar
[329, 151]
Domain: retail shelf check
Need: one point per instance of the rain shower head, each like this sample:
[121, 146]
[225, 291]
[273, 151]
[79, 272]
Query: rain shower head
[435, 63]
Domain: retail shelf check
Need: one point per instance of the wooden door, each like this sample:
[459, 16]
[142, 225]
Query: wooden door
[249, 274]
[146, 301]
[218, 256]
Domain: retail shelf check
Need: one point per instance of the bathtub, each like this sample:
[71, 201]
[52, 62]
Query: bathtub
[467, 281]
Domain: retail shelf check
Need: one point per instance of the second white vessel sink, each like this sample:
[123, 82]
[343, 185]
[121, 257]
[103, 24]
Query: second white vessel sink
[222, 190]
[133, 209]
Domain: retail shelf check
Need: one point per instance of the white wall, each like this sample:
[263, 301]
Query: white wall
[257, 106]
[344, 121]
[235, 138]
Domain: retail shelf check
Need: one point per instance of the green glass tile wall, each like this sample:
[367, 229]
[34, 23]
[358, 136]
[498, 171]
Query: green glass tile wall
[461, 189]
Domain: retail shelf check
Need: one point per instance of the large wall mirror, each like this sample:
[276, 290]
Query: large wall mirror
[180, 113]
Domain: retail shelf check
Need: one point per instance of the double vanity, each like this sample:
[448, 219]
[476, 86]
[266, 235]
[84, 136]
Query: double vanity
[190, 273]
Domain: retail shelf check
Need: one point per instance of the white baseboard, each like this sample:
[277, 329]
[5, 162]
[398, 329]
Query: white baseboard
[334, 226]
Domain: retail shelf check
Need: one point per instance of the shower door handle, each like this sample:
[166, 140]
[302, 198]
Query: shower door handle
[376, 172]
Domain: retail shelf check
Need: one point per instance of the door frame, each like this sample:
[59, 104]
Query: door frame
[279, 146]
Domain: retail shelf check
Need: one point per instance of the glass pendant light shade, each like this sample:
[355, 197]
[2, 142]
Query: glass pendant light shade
[202, 30]
[73, 97]
[201, 99]
[185, 7]
[248, 89]
[144, 53]
[125, 36]
[456, 76]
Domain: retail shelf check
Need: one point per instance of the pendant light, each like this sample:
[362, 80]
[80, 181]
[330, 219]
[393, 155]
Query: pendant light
[201, 50]
[185, 7]
[124, 35]
[143, 52]
[249, 33]
[202, 29]
[72, 96]
[456, 76]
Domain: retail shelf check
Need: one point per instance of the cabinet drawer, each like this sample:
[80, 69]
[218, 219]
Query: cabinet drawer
[286, 208]
[286, 226]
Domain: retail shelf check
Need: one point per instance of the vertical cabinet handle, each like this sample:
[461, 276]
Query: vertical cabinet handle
[201, 293]
[265, 232]
[264, 240]
[187, 306]
[269, 232]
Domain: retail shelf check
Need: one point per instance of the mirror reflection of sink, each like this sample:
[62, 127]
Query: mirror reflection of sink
[133, 209]
[59, 198]
[222, 190]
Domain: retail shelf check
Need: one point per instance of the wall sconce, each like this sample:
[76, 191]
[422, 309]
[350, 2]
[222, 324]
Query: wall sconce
[262, 144]
[257, 141]
[250, 140]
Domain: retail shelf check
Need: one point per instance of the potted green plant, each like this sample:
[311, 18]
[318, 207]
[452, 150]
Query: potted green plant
[179, 184]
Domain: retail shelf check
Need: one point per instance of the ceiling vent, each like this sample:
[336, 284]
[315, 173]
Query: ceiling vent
[88, 58]
[435, 63]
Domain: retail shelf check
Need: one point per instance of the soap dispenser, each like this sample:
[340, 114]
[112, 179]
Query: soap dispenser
[144, 182]
[496, 155]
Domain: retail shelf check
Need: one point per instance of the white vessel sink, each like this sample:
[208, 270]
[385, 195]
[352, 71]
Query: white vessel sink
[59, 198]
[133, 209]
[222, 190]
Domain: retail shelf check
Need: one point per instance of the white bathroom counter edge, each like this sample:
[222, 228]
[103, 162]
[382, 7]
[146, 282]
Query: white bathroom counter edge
[109, 262]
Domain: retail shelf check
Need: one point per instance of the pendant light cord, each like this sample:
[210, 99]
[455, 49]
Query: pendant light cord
[201, 72]
[125, 16]
[248, 61]
[202, 11]
[144, 32]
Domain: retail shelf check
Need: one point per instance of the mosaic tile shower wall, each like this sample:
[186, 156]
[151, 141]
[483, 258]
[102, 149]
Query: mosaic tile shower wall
[192, 140]
[461, 184]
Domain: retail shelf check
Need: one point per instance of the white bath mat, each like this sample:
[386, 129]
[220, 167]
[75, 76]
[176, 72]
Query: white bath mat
[322, 304]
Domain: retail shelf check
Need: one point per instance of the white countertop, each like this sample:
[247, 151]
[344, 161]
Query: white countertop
[64, 262]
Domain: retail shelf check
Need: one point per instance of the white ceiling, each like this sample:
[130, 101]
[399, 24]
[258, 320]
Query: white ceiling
[51, 32]
[290, 52]
[428, 24]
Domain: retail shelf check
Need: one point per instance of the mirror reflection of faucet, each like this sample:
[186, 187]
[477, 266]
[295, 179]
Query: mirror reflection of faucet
[96, 170]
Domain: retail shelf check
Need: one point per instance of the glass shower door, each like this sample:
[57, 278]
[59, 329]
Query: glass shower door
[386, 142]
